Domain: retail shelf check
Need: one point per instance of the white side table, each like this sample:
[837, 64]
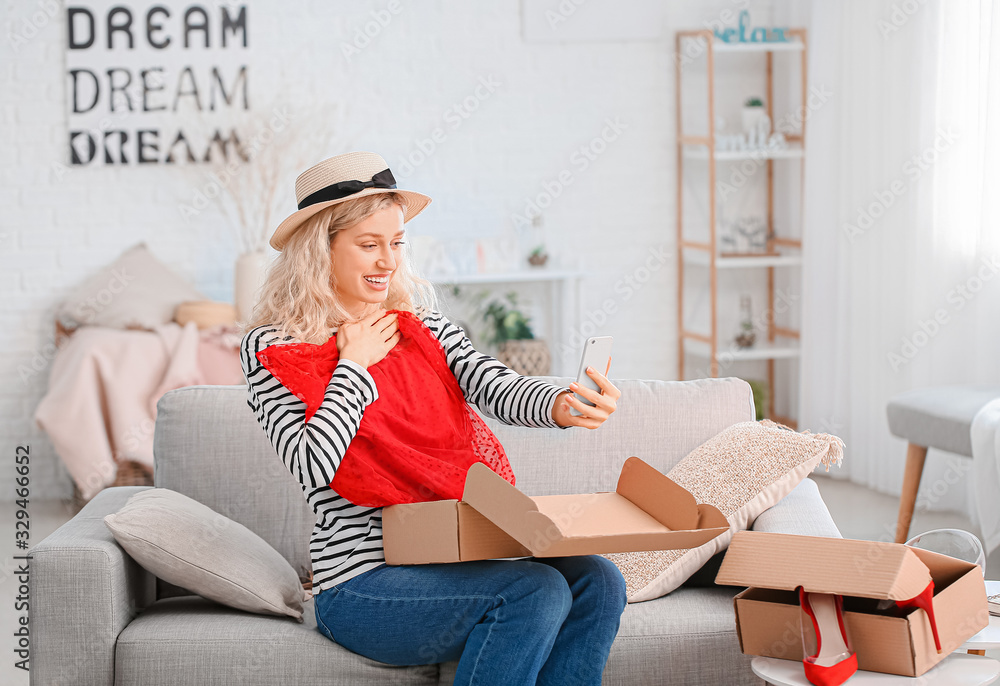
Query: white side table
[958, 669]
[988, 638]
[565, 307]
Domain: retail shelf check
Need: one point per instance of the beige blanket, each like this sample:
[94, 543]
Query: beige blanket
[100, 407]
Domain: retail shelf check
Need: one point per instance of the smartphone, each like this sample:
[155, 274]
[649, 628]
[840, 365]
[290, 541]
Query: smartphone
[596, 354]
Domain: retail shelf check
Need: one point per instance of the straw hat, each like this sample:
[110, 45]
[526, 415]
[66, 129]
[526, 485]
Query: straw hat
[345, 177]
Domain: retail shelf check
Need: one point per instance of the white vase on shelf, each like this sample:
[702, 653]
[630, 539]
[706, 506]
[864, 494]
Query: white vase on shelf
[251, 270]
[751, 117]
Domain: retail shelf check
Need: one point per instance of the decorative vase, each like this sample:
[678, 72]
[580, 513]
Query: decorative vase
[527, 356]
[751, 117]
[251, 270]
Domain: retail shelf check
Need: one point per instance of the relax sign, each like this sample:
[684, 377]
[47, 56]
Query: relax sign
[155, 84]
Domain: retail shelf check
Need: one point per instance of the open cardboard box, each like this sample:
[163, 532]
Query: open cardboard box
[894, 641]
[647, 511]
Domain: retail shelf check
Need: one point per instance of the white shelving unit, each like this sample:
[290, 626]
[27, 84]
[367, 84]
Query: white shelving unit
[790, 46]
[760, 351]
[700, 152]
[703, 257]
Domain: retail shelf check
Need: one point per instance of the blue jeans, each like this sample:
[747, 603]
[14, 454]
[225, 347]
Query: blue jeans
[534, 620]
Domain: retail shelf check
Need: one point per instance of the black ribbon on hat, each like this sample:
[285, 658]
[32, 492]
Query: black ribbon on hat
[342, 189]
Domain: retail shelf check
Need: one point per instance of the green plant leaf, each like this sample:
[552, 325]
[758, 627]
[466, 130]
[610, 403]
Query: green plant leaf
[505, 322]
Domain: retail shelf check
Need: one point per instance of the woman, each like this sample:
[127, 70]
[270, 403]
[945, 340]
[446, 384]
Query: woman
[342, 268]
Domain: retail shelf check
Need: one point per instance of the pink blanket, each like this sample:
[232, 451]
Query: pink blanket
[101, 403]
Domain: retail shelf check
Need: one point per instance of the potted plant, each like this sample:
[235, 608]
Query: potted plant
[760, 391]
[753, 110]
[538, 257]
[510, 329]
[746, 336]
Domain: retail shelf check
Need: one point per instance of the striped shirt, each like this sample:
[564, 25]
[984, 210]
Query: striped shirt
[347, 538]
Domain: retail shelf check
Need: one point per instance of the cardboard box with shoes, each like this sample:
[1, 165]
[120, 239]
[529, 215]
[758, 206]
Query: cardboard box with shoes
[866, 573]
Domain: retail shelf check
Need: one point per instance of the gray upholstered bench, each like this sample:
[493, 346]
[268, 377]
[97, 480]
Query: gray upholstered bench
[932, 418]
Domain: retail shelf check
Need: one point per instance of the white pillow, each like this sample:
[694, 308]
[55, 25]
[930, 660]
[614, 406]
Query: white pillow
[136, 291]
[188, 544]
[743, 471]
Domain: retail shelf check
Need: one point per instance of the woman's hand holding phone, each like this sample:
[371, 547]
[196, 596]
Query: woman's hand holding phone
[369, 340]
[591, 416]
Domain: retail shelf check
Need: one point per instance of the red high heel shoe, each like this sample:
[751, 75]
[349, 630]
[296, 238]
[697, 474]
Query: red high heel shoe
[925, 601]
[834, 662]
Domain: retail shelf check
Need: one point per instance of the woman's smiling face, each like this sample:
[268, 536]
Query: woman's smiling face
[364, 258]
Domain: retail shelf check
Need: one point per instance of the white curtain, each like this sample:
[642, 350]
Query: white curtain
[902, 238]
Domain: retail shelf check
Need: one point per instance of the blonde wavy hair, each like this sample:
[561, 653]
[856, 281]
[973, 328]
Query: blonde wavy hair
[299, 296]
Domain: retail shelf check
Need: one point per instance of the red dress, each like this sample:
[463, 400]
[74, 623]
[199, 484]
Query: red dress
[417, 440]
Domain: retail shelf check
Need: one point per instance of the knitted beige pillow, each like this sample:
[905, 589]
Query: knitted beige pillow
[743, 471]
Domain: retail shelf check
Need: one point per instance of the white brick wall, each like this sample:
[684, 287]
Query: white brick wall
[58, 224]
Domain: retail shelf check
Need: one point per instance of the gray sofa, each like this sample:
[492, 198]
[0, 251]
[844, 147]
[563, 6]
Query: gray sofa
[97, 618]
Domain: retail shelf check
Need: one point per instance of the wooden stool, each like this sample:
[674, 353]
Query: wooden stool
[932, 418]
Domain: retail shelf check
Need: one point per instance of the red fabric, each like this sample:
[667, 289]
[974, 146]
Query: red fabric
[416, 442]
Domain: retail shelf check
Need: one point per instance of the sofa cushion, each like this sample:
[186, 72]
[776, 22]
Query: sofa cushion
[743, 471]
[190, 640]
[185, 543]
